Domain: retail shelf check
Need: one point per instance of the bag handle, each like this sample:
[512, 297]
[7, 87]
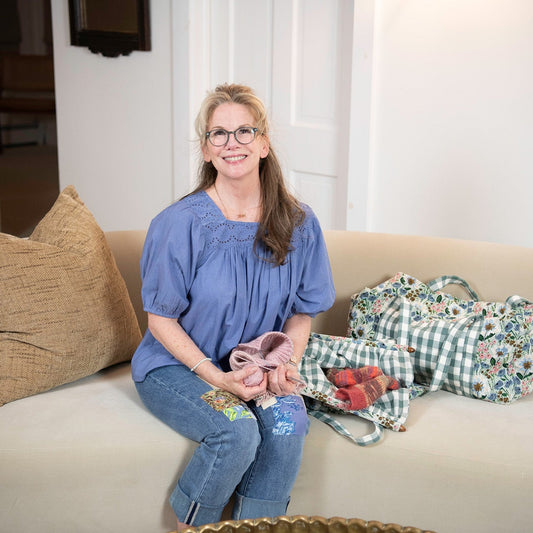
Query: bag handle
[371, 438]
[517, 300]
[439, 283]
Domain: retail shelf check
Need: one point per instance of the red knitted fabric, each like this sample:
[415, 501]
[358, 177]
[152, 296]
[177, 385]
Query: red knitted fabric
[364, 394]
[352, 376]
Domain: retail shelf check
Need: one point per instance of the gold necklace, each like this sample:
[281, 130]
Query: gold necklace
[238, 215]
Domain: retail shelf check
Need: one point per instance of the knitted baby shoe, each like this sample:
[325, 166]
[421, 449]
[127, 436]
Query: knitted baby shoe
[344, 377]
[364, 394]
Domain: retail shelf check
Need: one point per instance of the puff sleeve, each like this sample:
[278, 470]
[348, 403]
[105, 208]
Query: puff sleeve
[315, 291]
[169, 262]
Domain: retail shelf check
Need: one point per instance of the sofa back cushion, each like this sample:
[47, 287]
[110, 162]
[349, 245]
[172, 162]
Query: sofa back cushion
[362, 259]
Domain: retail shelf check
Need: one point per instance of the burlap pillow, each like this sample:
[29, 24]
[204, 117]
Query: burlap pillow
[65, 312]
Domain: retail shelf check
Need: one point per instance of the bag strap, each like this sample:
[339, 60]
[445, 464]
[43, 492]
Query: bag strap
[439, 283]
[371, 438]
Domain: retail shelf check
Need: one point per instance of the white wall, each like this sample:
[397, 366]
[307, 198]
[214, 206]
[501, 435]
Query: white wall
[450, 122]
[453, 119]
[114, 122]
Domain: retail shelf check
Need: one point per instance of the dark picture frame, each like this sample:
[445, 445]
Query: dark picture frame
[111, 28]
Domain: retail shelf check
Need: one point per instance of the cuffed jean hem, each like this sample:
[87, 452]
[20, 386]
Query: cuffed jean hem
[191, 512]
[253, 508]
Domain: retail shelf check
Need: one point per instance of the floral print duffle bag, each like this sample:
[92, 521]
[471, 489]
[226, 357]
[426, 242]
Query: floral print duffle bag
[469, 347]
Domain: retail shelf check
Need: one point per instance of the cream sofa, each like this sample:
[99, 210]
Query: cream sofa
[88, 457]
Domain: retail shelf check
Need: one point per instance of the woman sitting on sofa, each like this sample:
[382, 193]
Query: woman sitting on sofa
[236, 259]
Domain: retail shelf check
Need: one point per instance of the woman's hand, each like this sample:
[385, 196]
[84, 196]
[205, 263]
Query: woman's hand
[283, 380]
[234, 382]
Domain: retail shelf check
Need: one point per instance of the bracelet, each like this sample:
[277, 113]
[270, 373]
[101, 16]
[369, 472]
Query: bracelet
[293, 363]
[199, 363]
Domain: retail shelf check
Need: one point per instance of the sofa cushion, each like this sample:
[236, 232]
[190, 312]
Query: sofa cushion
[65, 312]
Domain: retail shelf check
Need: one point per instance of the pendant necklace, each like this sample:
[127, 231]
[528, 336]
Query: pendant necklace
[238, 215]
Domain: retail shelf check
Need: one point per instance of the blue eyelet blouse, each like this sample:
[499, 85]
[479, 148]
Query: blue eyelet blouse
[201, 269]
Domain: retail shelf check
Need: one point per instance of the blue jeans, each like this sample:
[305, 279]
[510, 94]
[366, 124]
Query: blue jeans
[250, 450]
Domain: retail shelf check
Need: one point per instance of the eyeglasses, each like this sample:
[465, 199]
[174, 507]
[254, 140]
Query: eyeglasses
[243, 135]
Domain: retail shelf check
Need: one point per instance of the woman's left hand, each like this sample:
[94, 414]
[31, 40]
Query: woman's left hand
[283, 380]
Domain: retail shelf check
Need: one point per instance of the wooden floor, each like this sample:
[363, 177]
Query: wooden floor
[29, 185]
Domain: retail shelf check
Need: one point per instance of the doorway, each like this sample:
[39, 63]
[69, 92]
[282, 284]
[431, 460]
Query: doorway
[29, 176]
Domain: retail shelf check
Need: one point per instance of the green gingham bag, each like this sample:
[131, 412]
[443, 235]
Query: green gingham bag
[389, 411]
[472, 348]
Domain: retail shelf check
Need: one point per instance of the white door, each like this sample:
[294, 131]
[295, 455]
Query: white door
[297, 55]
[310, 93]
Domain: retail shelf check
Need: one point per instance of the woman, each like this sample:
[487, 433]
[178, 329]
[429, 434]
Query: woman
[235, 259]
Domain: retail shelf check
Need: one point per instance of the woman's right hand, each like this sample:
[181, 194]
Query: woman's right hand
[233, 382]
[172, 336]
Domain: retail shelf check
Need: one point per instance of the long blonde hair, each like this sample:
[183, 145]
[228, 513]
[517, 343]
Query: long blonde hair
[281, 212]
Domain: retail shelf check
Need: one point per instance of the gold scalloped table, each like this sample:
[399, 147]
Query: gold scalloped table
[303, 524]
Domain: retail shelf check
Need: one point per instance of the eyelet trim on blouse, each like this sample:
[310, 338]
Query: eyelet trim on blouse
[228, 233]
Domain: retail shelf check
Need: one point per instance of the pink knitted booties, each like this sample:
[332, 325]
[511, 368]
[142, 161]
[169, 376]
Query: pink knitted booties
[266, 352]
